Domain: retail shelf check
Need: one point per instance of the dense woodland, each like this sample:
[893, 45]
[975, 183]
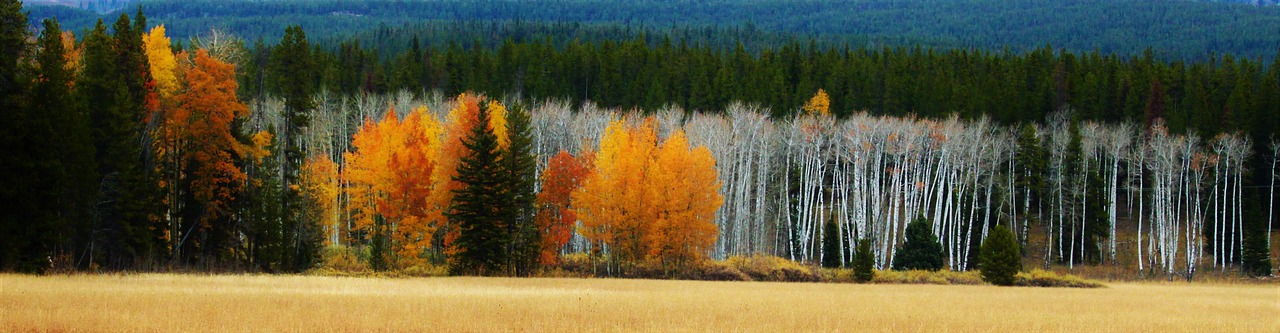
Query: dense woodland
[1192, 30]
[127, 150]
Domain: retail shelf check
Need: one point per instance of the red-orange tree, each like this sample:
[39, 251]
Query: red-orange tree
[563, 175]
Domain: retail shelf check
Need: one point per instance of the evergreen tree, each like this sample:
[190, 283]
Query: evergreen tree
[519, 169]
[831, 244]
[863, 262]
[1000, 257]
[20, 164]
[260, 214]
[1097, 223]
[68, 150]
[921, 250]
[1032, 167]
[115, 98]
[481, 245]
[294, 69]
[1255, 257]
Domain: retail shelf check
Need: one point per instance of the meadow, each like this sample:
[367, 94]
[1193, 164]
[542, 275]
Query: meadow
[235, 303]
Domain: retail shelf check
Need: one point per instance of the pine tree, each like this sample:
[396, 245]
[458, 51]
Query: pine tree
[921, 250]
[863, 262]
[294, 67]
[19, 163]
[1000, 257]
[519, 170]
[831, 244]
[1255, 257]
[481, 245]
[68, 150]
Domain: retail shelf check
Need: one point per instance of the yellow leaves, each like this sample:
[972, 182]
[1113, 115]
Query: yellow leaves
[319, 183]
[163, 63]
[498, 122]
[648, 201]
[819, 104]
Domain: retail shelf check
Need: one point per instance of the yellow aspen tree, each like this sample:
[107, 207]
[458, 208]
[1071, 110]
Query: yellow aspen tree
[819, 104]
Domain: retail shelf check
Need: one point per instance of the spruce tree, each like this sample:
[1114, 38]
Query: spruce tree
[831, 244]
[921, 250]
[1000, 257]
[1255, 257]
[519, 170]
[477, 207]
[294, 69]
[19, 165]
[863, 262]
[68, 150]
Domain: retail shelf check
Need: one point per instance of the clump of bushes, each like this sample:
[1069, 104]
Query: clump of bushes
[345, 261]
[1043, 278]
[770, 268]
[927, 277]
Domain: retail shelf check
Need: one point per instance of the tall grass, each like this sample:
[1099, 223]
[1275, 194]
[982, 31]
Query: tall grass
[240, 303]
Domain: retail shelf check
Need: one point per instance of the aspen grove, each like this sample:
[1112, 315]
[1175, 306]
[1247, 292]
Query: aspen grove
[168, 167]
[782, 179]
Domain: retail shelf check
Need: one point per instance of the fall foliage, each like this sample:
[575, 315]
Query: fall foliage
[819, 104]
[649, 202]
[563, 175]
[390, 181]
[163, 63]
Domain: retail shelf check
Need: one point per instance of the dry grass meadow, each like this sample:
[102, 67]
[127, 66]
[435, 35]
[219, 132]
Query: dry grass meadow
[237, 303]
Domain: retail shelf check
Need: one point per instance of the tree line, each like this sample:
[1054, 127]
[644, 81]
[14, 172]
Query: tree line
[183, 173]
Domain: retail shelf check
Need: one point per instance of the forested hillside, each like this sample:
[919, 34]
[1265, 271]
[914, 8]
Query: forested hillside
[1175, 29]
[129, 151]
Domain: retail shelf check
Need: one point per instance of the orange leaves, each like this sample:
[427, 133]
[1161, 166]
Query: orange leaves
[649, 202]
[390, 179]
[684, 196]
[197, 136]
[563, 175]
[819, 104]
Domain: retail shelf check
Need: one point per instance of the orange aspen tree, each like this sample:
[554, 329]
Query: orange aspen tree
[683, 191]
[390, 181]
[204, 113]
[612, 202]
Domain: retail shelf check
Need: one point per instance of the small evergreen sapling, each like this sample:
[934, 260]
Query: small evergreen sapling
[1000, 257]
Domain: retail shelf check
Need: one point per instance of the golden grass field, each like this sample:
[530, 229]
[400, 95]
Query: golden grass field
[236, 303]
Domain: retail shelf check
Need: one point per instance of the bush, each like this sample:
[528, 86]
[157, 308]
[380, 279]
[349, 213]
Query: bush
[1043, 278]
[927, 277]
[341, 259]
[716, 271]
[921, 250]
[770, 268]
[863, 262]
[1000, 257]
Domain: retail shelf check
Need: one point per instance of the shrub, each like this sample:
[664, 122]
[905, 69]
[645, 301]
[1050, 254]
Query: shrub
[1043, 278]
[863, 262]
[715, 271]
[927, 277]
[921, 250]
[770, 268]
[341, 259]
[831, 244]
[1000, 257]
